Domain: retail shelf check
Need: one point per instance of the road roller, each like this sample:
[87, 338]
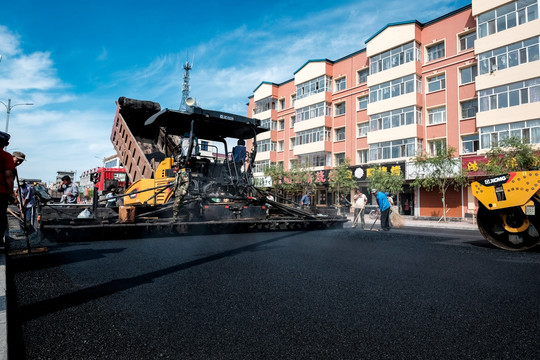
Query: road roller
[509, 209]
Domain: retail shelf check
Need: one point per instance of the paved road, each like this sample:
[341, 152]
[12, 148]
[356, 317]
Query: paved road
[337, 294]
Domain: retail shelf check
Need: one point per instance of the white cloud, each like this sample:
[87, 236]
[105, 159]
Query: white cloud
[9, 42]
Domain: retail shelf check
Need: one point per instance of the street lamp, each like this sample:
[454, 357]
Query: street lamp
[9, 107]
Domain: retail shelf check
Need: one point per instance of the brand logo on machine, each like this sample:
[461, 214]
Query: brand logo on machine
[495, 180]
[226, 117]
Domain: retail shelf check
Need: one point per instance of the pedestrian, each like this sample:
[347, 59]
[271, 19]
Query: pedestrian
[70, 191]
[345, 204]
[359, 204]
[180, 189]
[27, 201]
[306, 200]
[270, 197]
[384, 206]
[7, 168]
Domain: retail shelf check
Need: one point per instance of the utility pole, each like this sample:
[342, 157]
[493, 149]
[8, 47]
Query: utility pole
[9, 107]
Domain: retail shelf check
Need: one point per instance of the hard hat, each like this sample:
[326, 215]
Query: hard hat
[373, 191]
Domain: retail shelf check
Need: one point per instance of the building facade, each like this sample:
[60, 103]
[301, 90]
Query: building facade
[466, 79]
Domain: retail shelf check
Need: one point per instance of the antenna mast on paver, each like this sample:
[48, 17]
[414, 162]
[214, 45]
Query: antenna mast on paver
[185, 87]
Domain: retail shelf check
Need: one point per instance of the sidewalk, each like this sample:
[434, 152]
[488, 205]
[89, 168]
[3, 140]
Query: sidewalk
[410, 221]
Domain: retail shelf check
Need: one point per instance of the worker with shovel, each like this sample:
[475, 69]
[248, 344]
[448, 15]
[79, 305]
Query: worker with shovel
[359, 204]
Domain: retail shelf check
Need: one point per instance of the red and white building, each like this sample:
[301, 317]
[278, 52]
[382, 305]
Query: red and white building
[466, 79]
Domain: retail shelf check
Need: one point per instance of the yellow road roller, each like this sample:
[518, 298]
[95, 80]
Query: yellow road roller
[509, 209]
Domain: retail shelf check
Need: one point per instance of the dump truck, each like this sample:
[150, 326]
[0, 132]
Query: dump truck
[509, 209]
[220, 196]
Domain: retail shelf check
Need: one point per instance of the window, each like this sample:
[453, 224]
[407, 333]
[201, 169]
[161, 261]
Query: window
[339, 159]
[341, 84]
[363, 102]
[437, 116]
[339, 109]
[506, 17]
[362, 76]
[264, 105]
[281, 145]
[312, 135]
[293, 99]
[281, 104]
[259, 166]
[363, 129]
[281, 124]
[437, 147]
[470, 144]
[340, 134]
[394, 57]
[435, 52]
[395, 88]
[437, 83]
[204, 145]
[509, 56]
[394, 149]
[293, 120]
[266, 123]
[527, 131]
[515, 94]
[266, 145]
[395, 118]
[312, 111]
[315, 159]
[293, 141]
[469, 109]
[362, 156]
[315, 86]
[466, 41]
[468, 74]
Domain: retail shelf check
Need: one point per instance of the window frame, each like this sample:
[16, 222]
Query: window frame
[436, 110]
[437, 78]
[432, 46]
[469, 101]
[474, 139]
[340, 134]
[340, 106]
[340, 84]
[473, 74]
[358, 102]
[466, 36]
[359, 75]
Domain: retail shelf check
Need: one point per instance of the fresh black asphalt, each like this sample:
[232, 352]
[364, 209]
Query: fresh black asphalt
[335, 294]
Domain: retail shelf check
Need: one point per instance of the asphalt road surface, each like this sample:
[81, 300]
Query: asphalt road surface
[335, 294]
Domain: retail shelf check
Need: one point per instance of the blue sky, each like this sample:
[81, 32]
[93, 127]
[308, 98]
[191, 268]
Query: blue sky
[73, 60]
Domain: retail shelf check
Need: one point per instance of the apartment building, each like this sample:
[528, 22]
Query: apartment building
[466, 79]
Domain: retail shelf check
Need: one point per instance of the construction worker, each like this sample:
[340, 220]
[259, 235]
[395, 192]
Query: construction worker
[7, 166]
[180, 188]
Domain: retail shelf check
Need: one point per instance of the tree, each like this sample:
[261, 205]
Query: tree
[381, 179]
[341, 178]
[276, 174]
[513, 154]
[439, 171]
